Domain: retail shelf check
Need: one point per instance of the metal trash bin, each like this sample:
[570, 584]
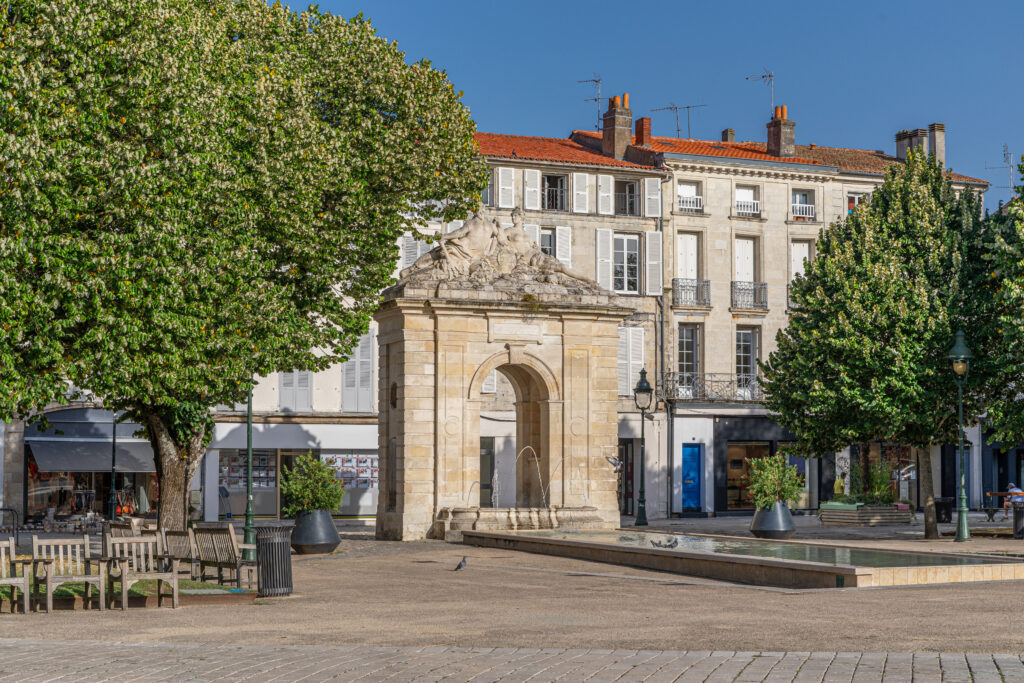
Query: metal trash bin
[944, 510]
[274, 558]
[1018, 520]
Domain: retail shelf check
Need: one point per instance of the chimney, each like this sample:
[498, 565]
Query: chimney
[643, 131]
[781, 135]
[728, 135]
[902, 144]
[937, 142]
[618, 121]
[907, 140]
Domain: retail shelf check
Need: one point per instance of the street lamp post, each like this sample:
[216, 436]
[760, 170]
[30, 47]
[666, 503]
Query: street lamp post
[642, 396]
[112, 504]
[960, 357]
[250, 521]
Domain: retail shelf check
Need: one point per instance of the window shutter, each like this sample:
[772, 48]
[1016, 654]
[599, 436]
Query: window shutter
[580, 192]
[490, 385]
[623, 367]
[533, 232]
[605, 190]
[686, 256]
[303, 391]
[350, 384]
[364, 356]
[506, 188]
[531, 189]
[799, 255]
[636, 355]
[655, 274]
[563, 245]
[286, 400]
[410, 250]
[652, 197]
[604, 258]
[455, 225]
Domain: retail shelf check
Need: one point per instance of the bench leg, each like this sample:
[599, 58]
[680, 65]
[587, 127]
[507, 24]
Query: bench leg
[103, 593]
[174, 593]
[159, 592]
[26, 600]
[49, 592]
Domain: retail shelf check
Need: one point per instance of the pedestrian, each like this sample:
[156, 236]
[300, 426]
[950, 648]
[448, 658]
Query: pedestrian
[1007, 500]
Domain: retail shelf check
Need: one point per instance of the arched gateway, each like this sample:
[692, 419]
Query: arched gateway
[485, 299]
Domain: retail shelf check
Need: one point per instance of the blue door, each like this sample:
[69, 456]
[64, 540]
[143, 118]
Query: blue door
[693, 463]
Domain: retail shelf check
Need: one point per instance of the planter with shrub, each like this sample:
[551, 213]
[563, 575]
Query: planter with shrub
[773, 484]
[311, 492]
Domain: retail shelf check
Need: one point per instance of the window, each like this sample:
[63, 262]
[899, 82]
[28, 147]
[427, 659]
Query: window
[747, 350]
[853, 200]
[689, 361]
[747, 202]
[357, 378]
[487, 197]
[803, 205]
[631, 358]
[626, 264]
[799, 255]
[688, 256]
[627, 200]
[688, 197]
[547, 241]
[296, 392]
[553, 192]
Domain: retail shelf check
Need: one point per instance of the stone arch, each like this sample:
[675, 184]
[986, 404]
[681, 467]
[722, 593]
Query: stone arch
[525, 363]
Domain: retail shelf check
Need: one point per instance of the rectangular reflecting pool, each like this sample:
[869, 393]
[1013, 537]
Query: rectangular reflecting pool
[770, 563]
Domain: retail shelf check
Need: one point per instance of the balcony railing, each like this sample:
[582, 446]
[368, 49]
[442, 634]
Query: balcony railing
[687, 292]
[627, 204]
[746, 207]
[752, 295]
[690, 204]
[805, 211]
[697, 386]
[554, 199]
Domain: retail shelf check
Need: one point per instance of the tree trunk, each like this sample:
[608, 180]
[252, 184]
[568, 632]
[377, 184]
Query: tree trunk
[176, 464]
[924, 466]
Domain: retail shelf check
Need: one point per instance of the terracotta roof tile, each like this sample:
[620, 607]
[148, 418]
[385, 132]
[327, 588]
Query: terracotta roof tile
[531, 148]
[732, 150]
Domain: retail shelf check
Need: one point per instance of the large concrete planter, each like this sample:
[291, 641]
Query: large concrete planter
[857, 514]
[314, 532]
[776, 523]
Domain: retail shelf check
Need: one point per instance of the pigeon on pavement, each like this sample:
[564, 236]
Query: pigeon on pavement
[673, 543]
[657, 544]
[461, 564]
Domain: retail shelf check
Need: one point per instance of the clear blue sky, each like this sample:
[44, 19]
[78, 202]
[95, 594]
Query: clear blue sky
[852, 74]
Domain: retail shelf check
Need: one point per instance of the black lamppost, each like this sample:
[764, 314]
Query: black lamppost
[250, 517]
[960, 356]
[112, 504]
[642, 396]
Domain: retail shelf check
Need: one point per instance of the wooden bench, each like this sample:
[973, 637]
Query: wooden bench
[67, 560]
[181, 545]
[219, 549]
[9, 574]
[137, 558]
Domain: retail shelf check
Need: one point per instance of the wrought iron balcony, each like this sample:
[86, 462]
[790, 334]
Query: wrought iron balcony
[710, 386]
[554, 199]
[803, 211]
[627, 204]
[751, 295]
[687, 292]
[750, 208]
[690, 204]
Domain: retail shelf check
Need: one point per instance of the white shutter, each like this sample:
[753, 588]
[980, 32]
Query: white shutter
[605, 194]
[744, 194]
[506, 188]
[623, 366]
[636, 355]
[455, 225]
[655, 274]
[365, 357]
[604, 258]
[286, 400]
[303, 391]
[687, 190]
[686, 256]
[580, 192]
[799, 254]
[490, 384]
[744, 259]
[410, 250]
[533, 231]
[652, 197]
[563, 245]
[531, 189]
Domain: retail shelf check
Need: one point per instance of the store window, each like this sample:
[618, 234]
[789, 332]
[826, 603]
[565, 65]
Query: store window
[738, 472]
[67, 494]
[233, 477]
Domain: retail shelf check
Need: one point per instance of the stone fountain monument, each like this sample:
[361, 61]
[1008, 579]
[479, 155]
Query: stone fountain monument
[488, 298]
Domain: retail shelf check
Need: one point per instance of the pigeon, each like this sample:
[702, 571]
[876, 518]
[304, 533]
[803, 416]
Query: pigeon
[461, 564]
[657, 544]
[672, 544]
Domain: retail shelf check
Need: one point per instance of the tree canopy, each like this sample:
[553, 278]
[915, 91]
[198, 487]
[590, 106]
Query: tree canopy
[196, 193]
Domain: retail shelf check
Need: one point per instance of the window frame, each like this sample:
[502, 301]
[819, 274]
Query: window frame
[551, 233]
[564, 191]
[626, 239]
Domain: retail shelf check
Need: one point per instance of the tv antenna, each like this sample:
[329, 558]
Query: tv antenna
[596, 82]
[675, 108]
[768, 78]
[1008, 165]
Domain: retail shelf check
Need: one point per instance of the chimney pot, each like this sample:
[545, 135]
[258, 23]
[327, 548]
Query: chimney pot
[728, 135]
[643, 131]
[778, 113]
[785, 113]
[614, 103]
[625, 100]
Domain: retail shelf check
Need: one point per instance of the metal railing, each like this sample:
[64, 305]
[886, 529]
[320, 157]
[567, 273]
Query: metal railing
[554, 199]
[748, 207]
[803, 210]
[711, 386]
[627, 204]
[686, 292]
[750, 295]
[691, 204]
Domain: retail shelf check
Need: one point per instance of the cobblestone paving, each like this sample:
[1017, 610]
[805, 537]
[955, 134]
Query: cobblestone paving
[80, 660]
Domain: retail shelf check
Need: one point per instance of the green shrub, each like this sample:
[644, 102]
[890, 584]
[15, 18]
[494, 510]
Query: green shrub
[774, 479]
[310, 485]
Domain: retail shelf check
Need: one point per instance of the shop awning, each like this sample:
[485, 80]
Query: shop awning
[77, 455]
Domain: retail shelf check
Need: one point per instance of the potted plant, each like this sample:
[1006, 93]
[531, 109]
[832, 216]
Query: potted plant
[311, 492]
[773, 484]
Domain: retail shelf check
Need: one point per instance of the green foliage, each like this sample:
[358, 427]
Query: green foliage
[773, 479]
[310, 485]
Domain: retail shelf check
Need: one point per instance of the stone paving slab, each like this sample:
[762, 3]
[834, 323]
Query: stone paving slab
[25, 659]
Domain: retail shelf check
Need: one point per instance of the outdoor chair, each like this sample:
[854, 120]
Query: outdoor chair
[181, 545]
[9, 574]
[219, 549]
[137, 558]
[66, 560]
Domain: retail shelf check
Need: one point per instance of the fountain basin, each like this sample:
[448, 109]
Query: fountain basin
[452, 522]
[786, 564]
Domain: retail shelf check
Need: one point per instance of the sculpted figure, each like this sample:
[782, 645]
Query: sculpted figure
[530, 253]
[456, 251]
